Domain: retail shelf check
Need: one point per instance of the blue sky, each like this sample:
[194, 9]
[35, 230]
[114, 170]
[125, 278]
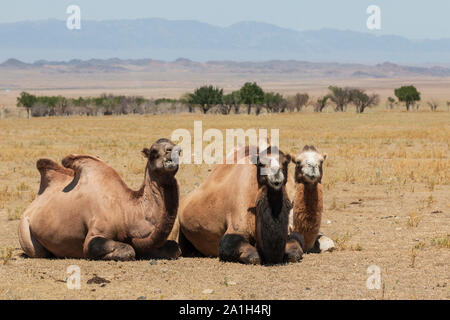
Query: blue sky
[410, 18]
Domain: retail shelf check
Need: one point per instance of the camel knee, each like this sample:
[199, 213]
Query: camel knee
[235, 248]
[294, 247]
[323, 244]
[99, 248]
[169, 250]
[186, 246]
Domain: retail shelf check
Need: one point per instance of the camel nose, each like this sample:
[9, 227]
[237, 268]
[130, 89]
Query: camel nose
[174, 153]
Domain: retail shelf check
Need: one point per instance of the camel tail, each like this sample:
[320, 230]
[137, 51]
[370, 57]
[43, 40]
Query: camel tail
[175, 231]
[51, 171]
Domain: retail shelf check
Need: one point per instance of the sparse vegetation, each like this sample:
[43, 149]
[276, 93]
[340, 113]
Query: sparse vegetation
[362, 100]
[341, 97]
[391, 103]
[320, 104]
[433, 105]
[6, 254]
[441, 242]
[387, 159]
[299, 101]
[414, 219]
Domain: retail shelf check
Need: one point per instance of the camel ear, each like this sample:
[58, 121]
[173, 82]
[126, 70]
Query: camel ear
[146, 152]
[325, 156]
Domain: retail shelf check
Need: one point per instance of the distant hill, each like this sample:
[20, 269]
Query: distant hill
[245, 41]
[298, 69]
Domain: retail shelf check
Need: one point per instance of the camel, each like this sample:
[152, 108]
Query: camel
[306, 215]
[240, 212]
[85, 210]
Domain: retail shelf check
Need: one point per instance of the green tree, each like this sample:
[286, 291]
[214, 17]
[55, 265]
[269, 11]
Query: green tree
[390, 102]
[26, 101]
[233, 100]
[251, 94]
[273, 102]
[207, 97]
[321, 103]
[362, 100]
[187, 99]
[407, 94]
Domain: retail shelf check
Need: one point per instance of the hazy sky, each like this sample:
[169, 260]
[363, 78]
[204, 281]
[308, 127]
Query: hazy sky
[410, 18]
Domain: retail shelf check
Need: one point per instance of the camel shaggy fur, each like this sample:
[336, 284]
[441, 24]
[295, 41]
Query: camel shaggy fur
[240, 213]
[85, 210]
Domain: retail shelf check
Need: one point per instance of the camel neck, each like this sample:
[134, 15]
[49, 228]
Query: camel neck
[272, 212]
[156, 186]
[307, 197]
[159, 198]
[275, 200]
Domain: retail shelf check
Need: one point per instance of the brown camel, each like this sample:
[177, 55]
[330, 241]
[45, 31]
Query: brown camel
[308, 199]
[85, 210]
[240, 212]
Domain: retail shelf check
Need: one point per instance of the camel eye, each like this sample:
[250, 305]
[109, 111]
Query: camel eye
[153, 154]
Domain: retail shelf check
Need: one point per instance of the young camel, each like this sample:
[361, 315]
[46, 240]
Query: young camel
[240, 212]
[85, 210]
[308, 199]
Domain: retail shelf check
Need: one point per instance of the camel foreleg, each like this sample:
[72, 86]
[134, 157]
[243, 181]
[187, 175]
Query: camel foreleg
[169, 250]
[294, 245]
[235, 248]
[99, 248]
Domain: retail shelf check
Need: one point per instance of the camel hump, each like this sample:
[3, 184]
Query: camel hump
[45, 165]
[72, 160]
[51, 173]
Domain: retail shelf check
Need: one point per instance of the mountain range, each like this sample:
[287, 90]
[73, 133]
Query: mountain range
[297, 69]
[167, 40]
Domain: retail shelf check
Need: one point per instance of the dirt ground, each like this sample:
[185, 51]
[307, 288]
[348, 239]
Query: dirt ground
[386, 194]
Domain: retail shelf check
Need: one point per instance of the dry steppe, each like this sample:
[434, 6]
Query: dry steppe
[387, 203]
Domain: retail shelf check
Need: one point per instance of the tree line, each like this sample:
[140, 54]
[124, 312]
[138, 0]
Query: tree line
[209, 99]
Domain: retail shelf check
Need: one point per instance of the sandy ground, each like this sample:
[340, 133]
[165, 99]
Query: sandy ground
[386, 182]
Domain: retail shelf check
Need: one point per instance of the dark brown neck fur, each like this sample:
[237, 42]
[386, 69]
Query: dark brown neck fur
[272, 212]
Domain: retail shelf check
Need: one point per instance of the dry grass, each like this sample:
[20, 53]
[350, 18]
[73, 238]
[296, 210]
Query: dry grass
[414, 219]
[386, 187]
[441, 242]
[6, 254]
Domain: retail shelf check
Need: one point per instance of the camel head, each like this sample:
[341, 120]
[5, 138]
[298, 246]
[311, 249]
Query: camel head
[308, 165]
[163, 157]
[273, 168]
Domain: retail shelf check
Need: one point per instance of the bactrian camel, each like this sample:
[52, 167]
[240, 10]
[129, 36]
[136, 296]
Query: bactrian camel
[240, 212]
[85, 210]
[308, 199]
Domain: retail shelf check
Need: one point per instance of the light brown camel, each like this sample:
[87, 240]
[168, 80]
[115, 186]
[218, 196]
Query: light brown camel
[308, 199]
[85, 210]
[240, 212]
